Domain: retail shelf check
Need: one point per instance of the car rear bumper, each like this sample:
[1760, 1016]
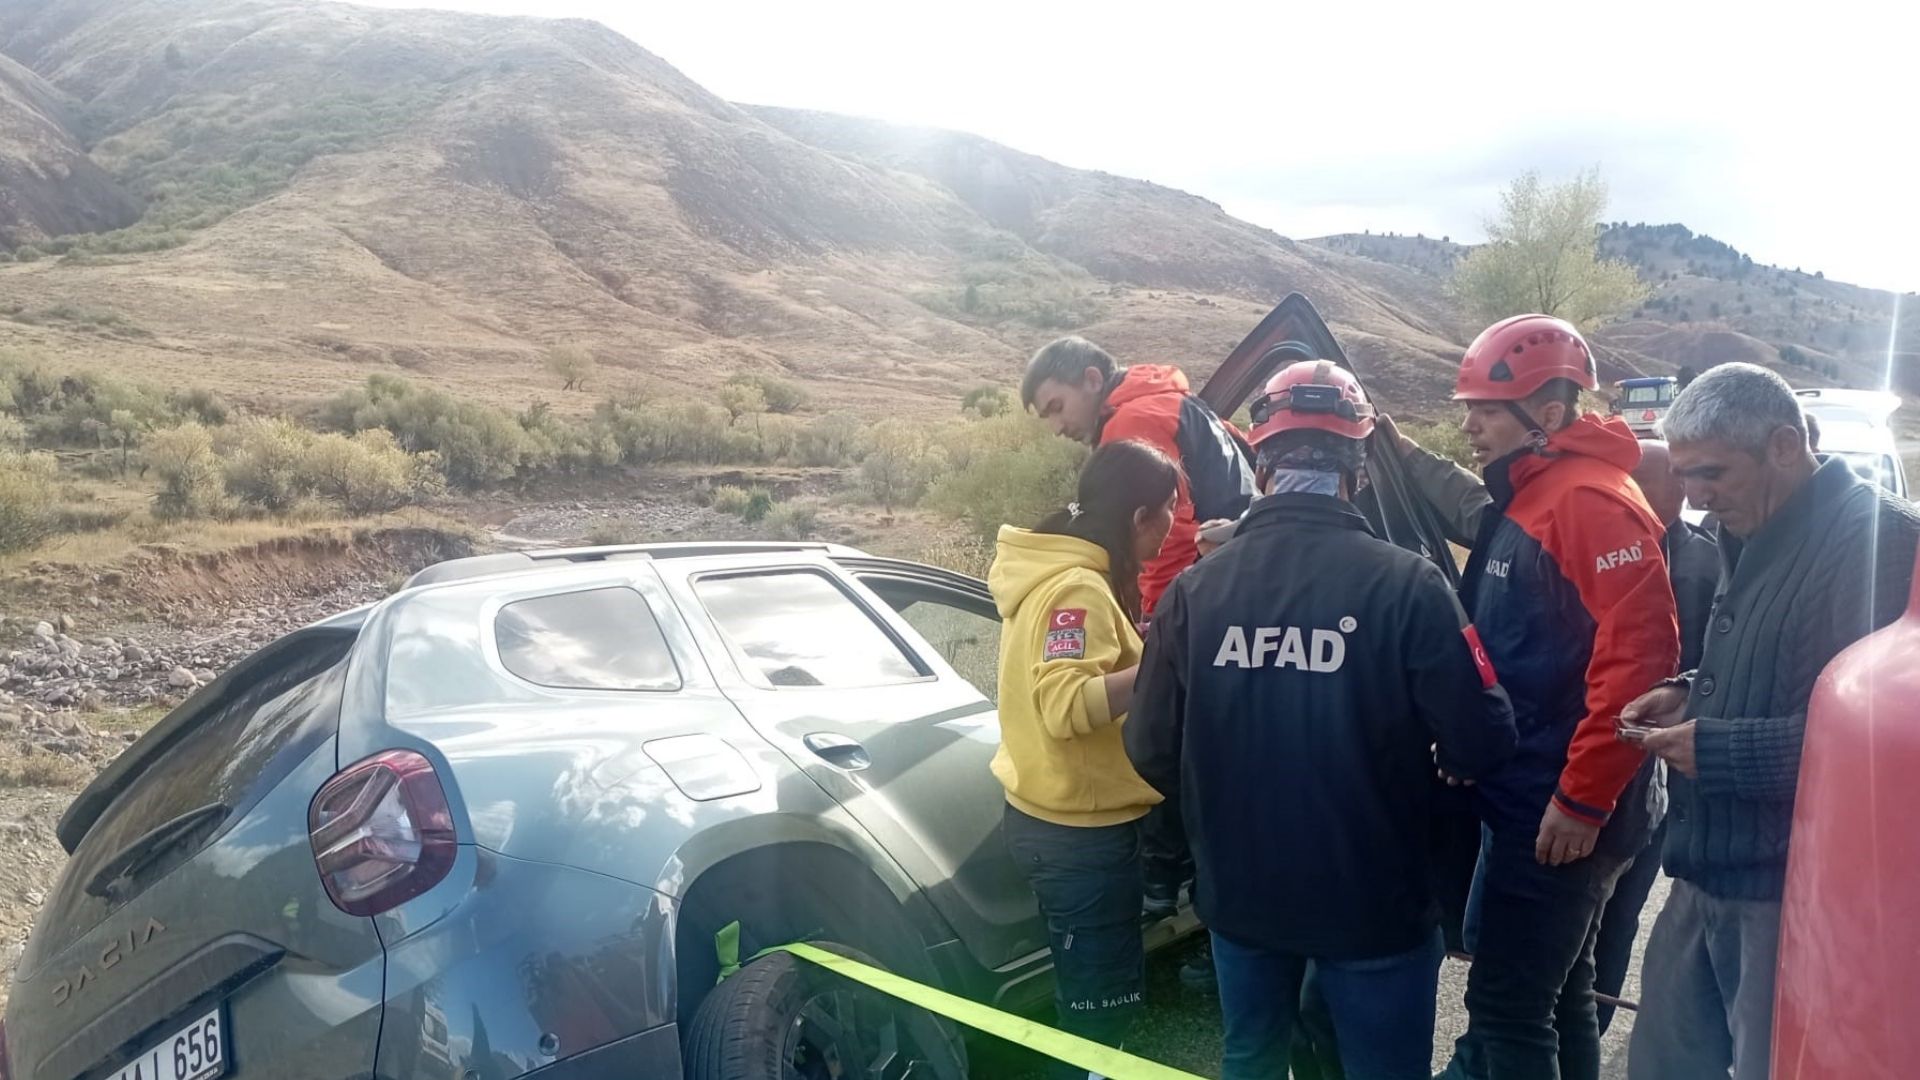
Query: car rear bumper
[513, 967]
[650, 1055]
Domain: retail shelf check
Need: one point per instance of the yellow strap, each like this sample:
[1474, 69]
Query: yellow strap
[1072, 1049]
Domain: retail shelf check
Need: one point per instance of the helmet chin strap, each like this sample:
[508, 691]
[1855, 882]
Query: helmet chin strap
[1536, 434]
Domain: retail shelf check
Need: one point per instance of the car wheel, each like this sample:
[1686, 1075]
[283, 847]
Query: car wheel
[781, 1018]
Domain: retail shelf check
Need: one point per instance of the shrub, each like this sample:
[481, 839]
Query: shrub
[27, 253]
[987, 401]
[572, 365]
[729, 499]
[193, 484]
[26, 499]
[369, 473]
[832, 439]
[263, 462]
[899, 464]
[794, 521]
[1443, 438]
[759, 505]
[609, 533]
[782, 396]
[1008, 470]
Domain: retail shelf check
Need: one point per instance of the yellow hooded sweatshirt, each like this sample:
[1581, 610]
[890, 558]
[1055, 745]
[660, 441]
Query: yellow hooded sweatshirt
[1061, 757]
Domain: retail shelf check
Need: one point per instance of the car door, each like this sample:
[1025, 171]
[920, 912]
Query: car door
[843, 683]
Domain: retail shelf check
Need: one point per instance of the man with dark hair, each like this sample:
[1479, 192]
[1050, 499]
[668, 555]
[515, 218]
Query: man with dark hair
[1290, 696]
[1075, 387]
[1813, 559]
[1569, 589]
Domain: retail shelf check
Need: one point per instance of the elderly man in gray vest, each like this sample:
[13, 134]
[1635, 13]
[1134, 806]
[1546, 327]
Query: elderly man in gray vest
[1813, 558]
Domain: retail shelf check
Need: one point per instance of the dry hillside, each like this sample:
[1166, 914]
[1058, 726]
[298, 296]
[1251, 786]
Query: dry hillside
[1711, 304]
[328, 191]
[314, 192]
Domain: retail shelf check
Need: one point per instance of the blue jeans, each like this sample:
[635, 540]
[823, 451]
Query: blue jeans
[1382, 1009]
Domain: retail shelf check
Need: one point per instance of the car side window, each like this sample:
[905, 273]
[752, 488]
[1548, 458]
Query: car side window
[799, 628]
[595, 639]
[966, 636]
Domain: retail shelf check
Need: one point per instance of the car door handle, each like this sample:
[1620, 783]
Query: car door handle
[838, 751]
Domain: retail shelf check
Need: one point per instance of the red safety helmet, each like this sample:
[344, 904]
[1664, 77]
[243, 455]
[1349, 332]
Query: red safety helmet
[1312, 395]
[1515, 357]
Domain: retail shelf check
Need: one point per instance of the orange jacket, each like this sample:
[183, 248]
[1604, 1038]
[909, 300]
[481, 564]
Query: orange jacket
[1149, 403]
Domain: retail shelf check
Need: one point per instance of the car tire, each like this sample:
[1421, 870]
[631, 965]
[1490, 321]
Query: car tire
[781, 1018]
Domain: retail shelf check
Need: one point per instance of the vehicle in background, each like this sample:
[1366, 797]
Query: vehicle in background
[1642, 402]
[1856, 425]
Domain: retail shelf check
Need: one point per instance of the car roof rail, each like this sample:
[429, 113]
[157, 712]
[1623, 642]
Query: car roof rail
[521, 561]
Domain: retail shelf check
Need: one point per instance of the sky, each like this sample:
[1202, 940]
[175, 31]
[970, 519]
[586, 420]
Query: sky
[1789, 136]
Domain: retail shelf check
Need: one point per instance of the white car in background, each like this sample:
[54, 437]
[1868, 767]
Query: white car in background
[1856, 425]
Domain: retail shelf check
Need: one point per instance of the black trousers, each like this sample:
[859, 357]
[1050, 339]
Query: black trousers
[1530, 1007]
[1088, 883]
[1620, 923]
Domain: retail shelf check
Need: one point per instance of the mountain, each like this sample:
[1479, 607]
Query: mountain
[328, 191]
[281, 197]
[1711, 304]
[48, 185]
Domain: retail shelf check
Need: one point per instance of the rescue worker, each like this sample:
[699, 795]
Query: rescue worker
[1069, 594]
[1294, 689]
[1569, 589]
[1075, 387]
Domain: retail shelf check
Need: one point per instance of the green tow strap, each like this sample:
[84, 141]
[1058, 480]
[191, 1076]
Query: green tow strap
[1081, 1053]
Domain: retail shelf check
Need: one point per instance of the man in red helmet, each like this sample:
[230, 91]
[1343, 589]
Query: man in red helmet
[1570, 591]
[1294, 686]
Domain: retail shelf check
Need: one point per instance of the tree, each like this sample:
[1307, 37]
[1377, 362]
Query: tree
[1686, 375]
[572, 365]
[742, 399]
[1542, 256]
[899, 463]
[123, 428]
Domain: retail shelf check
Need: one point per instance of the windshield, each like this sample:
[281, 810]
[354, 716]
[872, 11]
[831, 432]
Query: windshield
[1650, 395]
[1840, 414]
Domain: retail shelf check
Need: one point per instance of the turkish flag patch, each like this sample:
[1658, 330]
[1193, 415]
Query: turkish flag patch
[1480, 658]
[1067, 619]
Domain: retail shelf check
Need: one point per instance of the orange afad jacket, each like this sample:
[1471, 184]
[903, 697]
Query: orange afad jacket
[1150, 403]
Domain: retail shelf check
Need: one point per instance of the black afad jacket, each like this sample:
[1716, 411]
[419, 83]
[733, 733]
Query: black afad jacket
[1293, 686]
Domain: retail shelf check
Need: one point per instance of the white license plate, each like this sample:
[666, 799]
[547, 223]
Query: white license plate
[195, 1052]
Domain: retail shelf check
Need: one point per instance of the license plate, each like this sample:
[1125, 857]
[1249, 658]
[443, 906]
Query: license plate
[195, 1052]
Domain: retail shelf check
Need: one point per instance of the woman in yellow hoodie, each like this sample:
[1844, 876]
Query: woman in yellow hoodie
[1069, 595]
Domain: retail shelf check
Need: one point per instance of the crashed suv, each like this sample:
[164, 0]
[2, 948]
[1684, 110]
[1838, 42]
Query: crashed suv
[493, 825]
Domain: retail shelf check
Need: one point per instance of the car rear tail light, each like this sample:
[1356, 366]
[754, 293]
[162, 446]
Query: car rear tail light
[382, 832]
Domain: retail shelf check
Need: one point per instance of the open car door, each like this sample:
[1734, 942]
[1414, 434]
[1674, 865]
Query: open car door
[1294, 331]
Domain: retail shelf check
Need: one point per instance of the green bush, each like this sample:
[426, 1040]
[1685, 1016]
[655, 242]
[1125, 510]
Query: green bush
[780, 396]
[277, 466]
[193, 483]
[1443, 438]
[900, 462]
[833, 439]
[794, 521]
[759, 505]
[27, 253]
[27, 503]
[729, 499]
[1007, 470]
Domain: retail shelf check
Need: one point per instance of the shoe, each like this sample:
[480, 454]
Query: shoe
[1197, 972]
[1160, 900]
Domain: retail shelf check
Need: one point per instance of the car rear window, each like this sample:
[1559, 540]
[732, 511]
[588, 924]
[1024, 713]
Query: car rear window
[595, 639]
[799, 628]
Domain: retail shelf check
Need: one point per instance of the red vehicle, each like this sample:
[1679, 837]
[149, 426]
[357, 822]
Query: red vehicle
[1850, 925]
